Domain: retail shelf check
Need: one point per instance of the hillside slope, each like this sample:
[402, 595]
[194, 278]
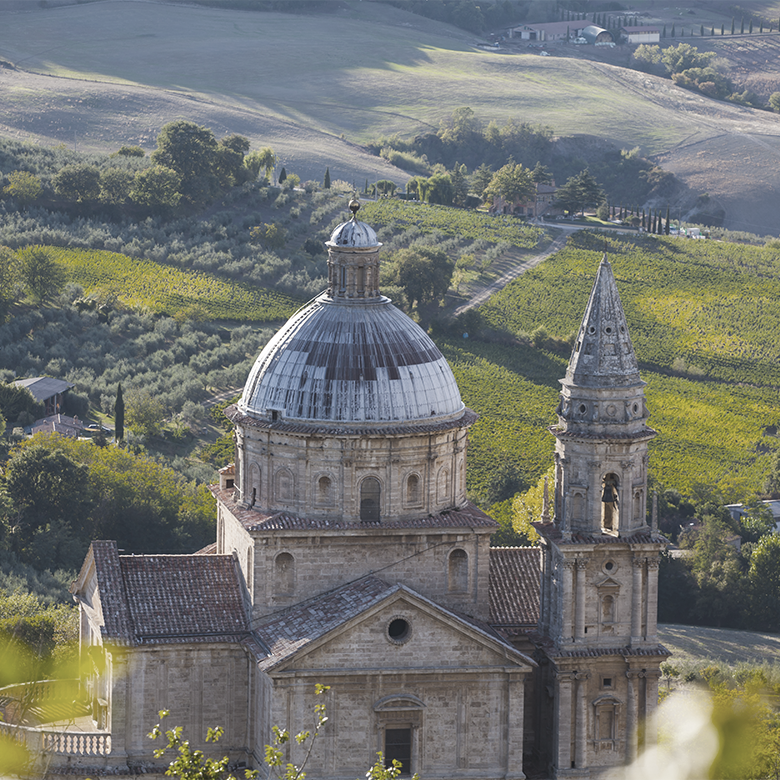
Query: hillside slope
[308, 85]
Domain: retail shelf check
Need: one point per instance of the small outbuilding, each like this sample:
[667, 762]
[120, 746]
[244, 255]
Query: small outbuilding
[636, 35]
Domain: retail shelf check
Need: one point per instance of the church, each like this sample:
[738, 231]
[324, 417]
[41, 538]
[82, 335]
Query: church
[347, 554]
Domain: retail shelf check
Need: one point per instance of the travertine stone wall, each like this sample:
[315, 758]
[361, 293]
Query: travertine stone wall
[201, 685]
[288, 567]
[601, 597]
[449, 689]
[320, 476]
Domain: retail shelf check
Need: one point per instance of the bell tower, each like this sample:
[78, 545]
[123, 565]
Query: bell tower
[600, 556]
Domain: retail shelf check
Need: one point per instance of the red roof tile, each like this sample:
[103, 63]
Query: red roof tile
[255, 520]
[184, 598]
[515, 576]
[116, 616]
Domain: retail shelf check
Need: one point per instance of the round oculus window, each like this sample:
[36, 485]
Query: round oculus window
[399, 630]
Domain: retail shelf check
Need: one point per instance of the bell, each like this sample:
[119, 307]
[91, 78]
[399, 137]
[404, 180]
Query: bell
[609, 496]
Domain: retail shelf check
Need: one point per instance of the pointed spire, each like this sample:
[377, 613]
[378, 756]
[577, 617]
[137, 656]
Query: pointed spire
[603, 355]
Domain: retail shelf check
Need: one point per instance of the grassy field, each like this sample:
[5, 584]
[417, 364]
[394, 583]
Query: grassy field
[288, 80]
[165, 290]
[695, 643]
[398, 74]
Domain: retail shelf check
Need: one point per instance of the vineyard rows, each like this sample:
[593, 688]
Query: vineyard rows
[705, 322]
[471, 225]
[163, 289]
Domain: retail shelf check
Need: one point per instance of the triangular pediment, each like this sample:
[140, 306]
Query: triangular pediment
[400, 628]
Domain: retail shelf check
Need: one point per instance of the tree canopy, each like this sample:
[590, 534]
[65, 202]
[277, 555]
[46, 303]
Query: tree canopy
[192, 152]
[512, 182]
[580, 192]
[424, 274]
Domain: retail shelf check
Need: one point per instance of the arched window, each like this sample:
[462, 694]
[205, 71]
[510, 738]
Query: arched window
[324, 491]
[284, 575]
[285, 485]
[610, 519]
[370, 493]
[254, 484]
[413, 490]
[458, 571]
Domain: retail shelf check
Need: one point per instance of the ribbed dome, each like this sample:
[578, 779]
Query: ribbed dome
[354, 233]
[358, 363]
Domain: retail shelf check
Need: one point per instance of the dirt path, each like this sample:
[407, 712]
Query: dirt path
[479, 297]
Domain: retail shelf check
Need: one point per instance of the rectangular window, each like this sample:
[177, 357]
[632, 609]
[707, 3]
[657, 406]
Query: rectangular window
[398, 747]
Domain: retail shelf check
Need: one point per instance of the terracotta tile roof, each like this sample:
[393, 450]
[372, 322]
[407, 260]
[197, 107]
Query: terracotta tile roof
[255, 520]
[294, 628]
[184, 598]
[553, 533]
[116, 615]
[515, 576]
[163, 599]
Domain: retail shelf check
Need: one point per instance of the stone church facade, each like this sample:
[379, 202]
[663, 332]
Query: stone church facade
[348, 554]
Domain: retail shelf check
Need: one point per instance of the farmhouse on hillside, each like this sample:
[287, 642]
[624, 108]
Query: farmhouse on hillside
[548, 31]
[47, 390]
[348, 554]
[539, 204]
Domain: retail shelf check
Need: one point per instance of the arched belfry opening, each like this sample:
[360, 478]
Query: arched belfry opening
[610, 511]
[370, 493]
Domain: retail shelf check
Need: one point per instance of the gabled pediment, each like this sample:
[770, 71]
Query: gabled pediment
[394, 627]
[607, 584]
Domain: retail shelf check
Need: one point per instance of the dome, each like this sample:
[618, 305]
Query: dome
[360, 363]
[354, 233]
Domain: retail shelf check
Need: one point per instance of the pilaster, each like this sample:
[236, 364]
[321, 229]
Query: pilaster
[579, 633]
[581, 726]
[638, 564]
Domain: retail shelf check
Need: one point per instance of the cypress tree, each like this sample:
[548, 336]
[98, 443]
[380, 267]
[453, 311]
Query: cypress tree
[666, 229]
[672, 31]
[761, 27]
[119, 415]
[663, 34]
[750, 31]
[326, 182]
[742, 27]
[732, 25]
[712, 31]
[701, 31]
[365, 189]
[722, 29]
[282, 175]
